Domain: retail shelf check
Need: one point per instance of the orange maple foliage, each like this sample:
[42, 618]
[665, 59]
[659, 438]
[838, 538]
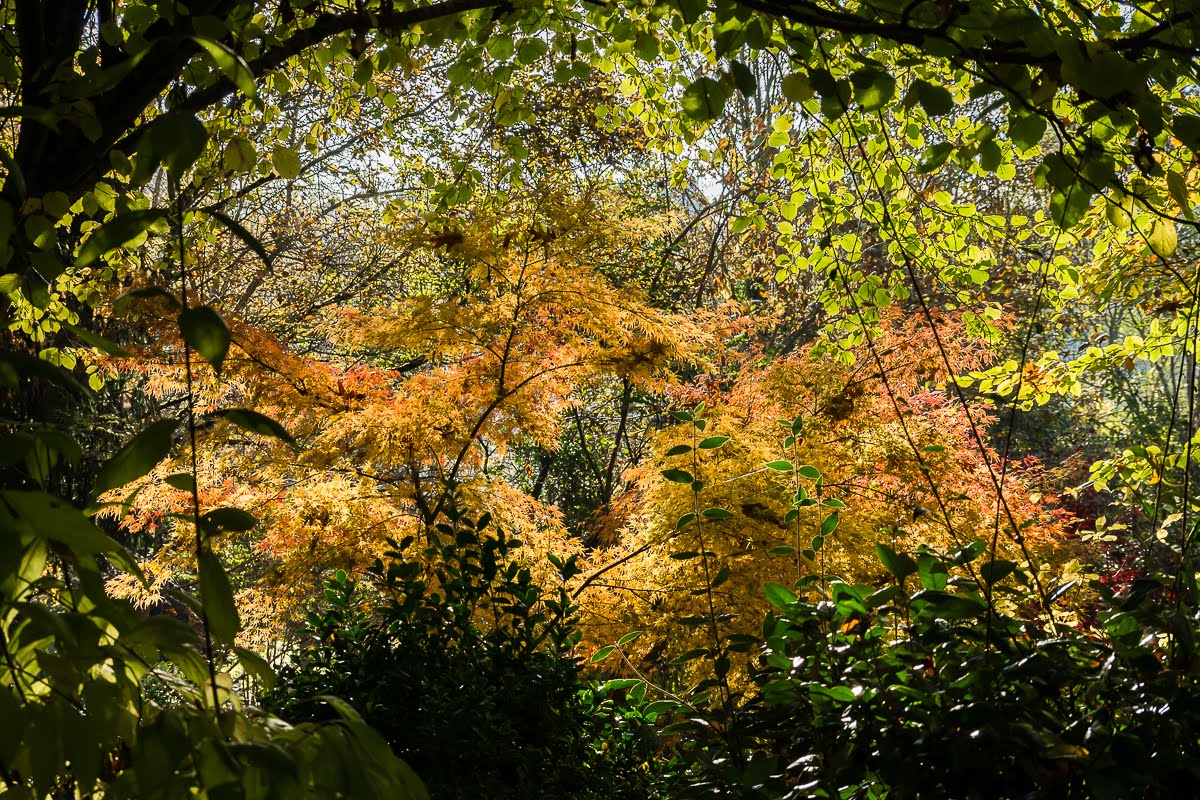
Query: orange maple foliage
[879, 450]
[427, 396]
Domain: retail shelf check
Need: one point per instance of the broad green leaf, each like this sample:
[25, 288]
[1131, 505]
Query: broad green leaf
[810, 472]
[139, 455]
[932, 572]
[712, 442]
[1067, 206]
[99, 342]
[684, 521]
[239, 156]
[53, 518]
[184, 481]
[627, 638]
[177, 139]
[602, 653]
[231, 64]
[715, 513]
[207, 333]
[251, 420]
[780, 466]
[936, 100]
[797, 88]
[704, 99]
[1178, 189]
[779, 595]
[217, 595]
[234, 520]
[996, 571]
[1187, 129]
[679, 450]
[935, 156]
[117, 232]
[901, 565]
[743, 78]
[873, 88]
[677, 475]
[256, 667]
[1163, 237]
[829, 525]
[1026, 131]
[286, 162]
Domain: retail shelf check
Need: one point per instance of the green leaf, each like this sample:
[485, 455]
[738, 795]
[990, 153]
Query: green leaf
[743, 78]
[207, 333]
[843, 694]
[679, 450]
[783, 550]
[682, 416]
[184, 481]
[997, 570]
[139, 455]
[796, 87]
[684, 521]
[780, 466]
[1163, 237]
[256, 667]
[627, 638]
[935, 156]
[239, 156]
[602, 653]
[234, 520]
[690, 655]
[1026, 131]
[829, 525]
[117, 232]
[835, 94]
[1178, 189]
[810, 472]
[713, 442]
[1187, 129]
[1067, 206]
[53, 518]
[936, 100]
[704, 99]
[231, 64]
[677, 475]
[531, 50]
[873, 88]
[901, 565]
[716, 513]
[97, 341]
[286, 162]
[251, 420]
[932, 572]
[177, 139]
[217, 595]
[779, 595]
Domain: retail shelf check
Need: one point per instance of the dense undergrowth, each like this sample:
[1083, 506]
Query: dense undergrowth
[918, 688]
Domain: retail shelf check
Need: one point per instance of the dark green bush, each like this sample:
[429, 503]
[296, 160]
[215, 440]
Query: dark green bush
[916, 689]
[466, 666]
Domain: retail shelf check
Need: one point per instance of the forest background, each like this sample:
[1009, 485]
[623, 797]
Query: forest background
[609, 399]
